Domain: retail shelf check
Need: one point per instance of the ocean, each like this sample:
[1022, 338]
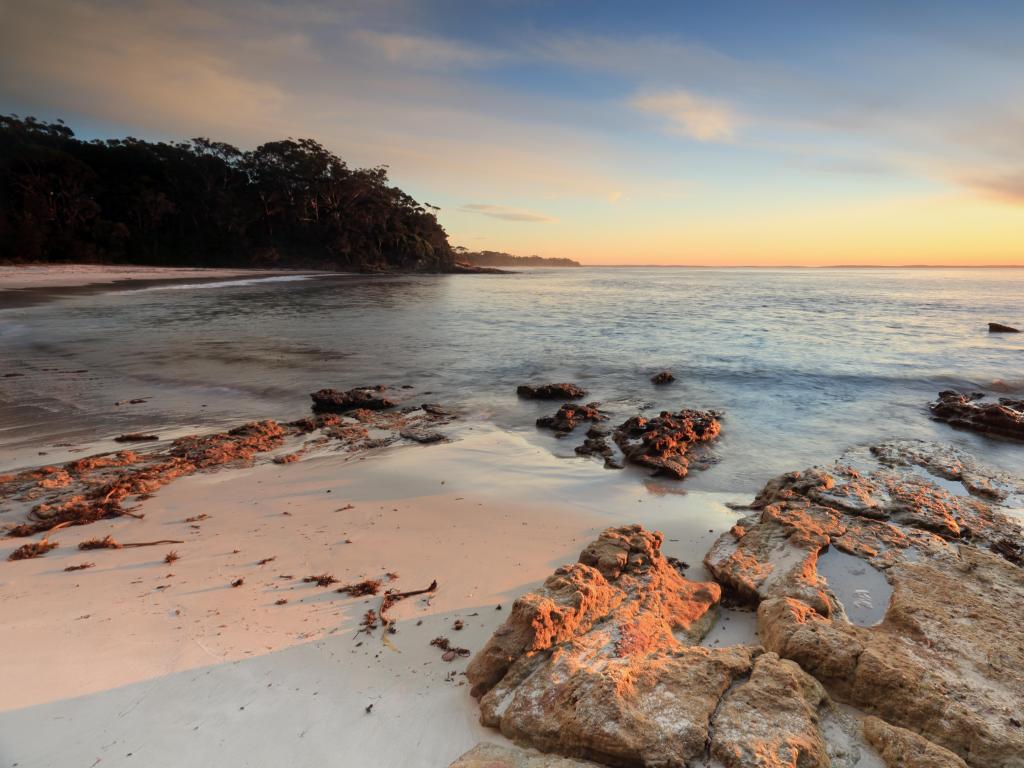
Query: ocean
[803, 363]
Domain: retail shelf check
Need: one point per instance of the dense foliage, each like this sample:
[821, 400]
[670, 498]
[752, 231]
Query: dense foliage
[501, 259]
[203, 203]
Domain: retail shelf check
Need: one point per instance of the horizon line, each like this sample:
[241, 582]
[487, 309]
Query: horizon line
[810, 266]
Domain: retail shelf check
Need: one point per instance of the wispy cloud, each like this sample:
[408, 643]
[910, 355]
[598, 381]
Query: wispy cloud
[1008, 187]
[506, 213]
[423, 51]
[689, 115]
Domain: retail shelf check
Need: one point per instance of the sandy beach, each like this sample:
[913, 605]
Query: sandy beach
[29, 285]
[19, 277]
[138, 660]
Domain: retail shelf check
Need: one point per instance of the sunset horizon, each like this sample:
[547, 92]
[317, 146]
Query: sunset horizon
[671, 136]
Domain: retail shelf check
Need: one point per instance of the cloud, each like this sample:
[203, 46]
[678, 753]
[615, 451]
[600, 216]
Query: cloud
[147, 65]
[506, 213]
[1008, 187]
[689, 115]
[434, 52]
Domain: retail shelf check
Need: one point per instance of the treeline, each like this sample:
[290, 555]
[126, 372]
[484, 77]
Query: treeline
[288, 203]
[499, 259]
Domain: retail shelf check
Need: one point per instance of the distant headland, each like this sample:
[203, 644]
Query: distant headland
[500, 259]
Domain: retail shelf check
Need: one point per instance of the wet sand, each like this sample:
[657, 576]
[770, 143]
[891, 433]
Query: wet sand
[138, 666]
[24, 286]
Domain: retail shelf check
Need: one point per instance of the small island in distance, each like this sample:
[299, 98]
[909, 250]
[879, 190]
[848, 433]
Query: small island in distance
[500, 259]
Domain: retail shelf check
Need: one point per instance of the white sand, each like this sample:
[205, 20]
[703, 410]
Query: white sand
[66, 275]
[100, 667]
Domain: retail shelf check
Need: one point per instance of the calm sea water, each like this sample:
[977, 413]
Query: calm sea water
[804, 363]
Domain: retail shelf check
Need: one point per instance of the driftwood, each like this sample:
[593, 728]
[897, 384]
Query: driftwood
[108, 542]
[391, 597]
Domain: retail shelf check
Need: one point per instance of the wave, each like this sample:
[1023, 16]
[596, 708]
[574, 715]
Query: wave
[223, 283]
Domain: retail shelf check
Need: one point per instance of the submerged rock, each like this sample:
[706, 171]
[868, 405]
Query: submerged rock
[338, 401]
[570, 416]
[1000, 328]
[596, 444]
[561, 391]
[665, 442]
[663, 377]
[422, 436]
[1005, 418]
[944, 661]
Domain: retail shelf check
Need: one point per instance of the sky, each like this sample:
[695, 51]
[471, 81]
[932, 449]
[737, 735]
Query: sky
[792, 132]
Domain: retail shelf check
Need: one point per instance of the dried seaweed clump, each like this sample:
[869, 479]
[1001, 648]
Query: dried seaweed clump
[33, 549]
[361, 588]
[321, 580]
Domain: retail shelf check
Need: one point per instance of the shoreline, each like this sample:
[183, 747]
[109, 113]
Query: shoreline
[30, 285]
[217, 641]
[127, 640]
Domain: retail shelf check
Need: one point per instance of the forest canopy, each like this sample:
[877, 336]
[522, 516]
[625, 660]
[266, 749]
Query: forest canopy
[287, 203]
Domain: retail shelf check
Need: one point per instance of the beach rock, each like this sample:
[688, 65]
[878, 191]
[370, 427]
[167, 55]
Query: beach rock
[664, 377]
[436, 409]
[943, 662]
[596, 444]
[581, 663]
[135, 437]
[501, 756]
[422, 436]
[337, 401]
[1005, 418]
[1000, 328]
[309, 424]
[94, 488]
[570, 416]
[602, 663]
[666, 442]
[900, 748]
[623, 579]
[771, 720]
[952, 463]
[551, 391]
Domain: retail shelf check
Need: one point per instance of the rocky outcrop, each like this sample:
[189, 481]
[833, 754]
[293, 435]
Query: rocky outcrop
[900, 748]
[663, 377]
[1000, 328]
[1004, 419]
[104, 486]
[591, 664]
[772, 719]
[602, 663]
[943, 661]
[570, 416]
[952, 463]
[596, 444]
[563, 391]
[502, 756]
[668, 442]
[338, 401]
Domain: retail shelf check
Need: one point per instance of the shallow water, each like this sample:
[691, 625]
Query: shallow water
[863, 590]
[804, 363]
